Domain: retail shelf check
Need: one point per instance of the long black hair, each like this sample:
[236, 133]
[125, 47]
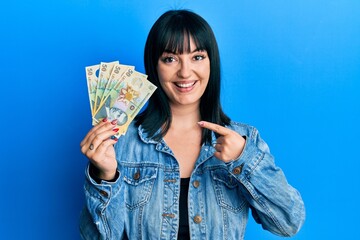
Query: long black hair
[173, 31]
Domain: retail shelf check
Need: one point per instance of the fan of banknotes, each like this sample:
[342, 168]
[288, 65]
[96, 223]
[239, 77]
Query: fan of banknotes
[117, 91]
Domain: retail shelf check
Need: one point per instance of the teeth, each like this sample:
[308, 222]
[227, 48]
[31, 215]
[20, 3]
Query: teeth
[184, 85]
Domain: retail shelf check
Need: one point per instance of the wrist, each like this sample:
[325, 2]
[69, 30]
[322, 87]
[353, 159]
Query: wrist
[110, 177]
[98, 175]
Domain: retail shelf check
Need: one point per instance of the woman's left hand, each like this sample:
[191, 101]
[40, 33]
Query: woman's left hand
[229, 145]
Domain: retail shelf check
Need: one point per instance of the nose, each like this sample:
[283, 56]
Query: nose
[184, 69]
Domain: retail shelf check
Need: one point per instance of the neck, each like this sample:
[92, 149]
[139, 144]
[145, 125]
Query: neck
[185, 116]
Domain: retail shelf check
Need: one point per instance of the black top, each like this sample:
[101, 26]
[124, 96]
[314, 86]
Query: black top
[184, 233]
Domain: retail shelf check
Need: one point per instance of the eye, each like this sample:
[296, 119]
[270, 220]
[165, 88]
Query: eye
[168, 59]
[199, 57]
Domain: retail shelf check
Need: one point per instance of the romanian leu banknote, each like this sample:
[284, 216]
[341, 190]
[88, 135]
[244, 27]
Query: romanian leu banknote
[123, 93]
[116, 74]
[92, 79]
[104, 75]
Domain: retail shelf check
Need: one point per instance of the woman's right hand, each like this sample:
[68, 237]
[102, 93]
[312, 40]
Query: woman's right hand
[98, 147]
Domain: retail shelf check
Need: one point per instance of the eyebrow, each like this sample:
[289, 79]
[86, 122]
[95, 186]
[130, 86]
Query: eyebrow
[195, 50]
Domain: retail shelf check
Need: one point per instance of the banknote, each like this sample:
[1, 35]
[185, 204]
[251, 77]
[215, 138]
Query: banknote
[117, 72]
[104, 75]
[123, 93]
[112, 94]
[92, 78]
[126, 99]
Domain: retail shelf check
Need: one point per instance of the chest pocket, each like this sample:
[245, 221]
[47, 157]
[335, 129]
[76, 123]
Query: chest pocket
[139, 182]
[227, 190]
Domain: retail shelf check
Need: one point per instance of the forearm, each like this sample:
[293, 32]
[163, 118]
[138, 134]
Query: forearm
[277, 205]
[102, 201]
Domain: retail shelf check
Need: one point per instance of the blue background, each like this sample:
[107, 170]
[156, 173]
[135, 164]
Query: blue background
[291, 68]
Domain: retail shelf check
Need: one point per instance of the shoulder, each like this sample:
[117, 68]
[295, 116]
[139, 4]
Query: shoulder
[250, 132]
[243, 128]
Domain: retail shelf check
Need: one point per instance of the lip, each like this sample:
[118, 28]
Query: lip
[185, 86]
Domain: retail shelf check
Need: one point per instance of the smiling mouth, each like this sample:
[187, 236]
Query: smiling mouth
[185, 85]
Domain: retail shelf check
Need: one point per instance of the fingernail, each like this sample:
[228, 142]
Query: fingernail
[116, 129]
[113, 122]
[114, 138]
[104, 120]
[201, 123]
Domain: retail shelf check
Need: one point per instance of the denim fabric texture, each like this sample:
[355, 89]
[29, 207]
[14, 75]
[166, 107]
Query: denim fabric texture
[143, 203]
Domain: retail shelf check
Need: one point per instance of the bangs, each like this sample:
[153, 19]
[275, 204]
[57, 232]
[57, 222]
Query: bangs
[177, 36]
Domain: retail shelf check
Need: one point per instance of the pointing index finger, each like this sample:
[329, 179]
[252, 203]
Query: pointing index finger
[214, 127]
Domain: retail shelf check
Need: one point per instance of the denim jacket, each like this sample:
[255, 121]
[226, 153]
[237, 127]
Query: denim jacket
[143, 203]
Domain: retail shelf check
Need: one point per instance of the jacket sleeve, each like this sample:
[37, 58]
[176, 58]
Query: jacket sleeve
[102, 215]
[276, 205]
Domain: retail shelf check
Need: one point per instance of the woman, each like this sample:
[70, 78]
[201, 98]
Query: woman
[184, 169]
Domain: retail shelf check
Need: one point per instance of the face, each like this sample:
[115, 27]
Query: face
[184, 77]
[118, 114]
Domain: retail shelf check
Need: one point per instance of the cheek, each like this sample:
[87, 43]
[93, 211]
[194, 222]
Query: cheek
[166, 87]
[207, 69]
[164, 79]
[161, 79]
[160, 74]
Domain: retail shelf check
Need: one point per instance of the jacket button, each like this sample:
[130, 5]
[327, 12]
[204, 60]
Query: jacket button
[196, 184]
[136, 176]
[104, 193]
[197, 219]
[237, 170]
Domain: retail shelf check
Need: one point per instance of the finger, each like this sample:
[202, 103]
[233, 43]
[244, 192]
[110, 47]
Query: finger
[104, 159]
[219, 156]
[102, 148]
[220, 140]
[100, 138]
[222, 157]
[95, 128]
[218, 147]
[97, 137]
[214, 127]
[101, 127]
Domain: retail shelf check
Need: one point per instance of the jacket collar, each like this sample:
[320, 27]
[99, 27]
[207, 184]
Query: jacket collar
[144, 136]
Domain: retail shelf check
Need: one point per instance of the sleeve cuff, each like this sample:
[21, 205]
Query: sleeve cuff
[247, 161]
[93, 175]
[101, 189]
